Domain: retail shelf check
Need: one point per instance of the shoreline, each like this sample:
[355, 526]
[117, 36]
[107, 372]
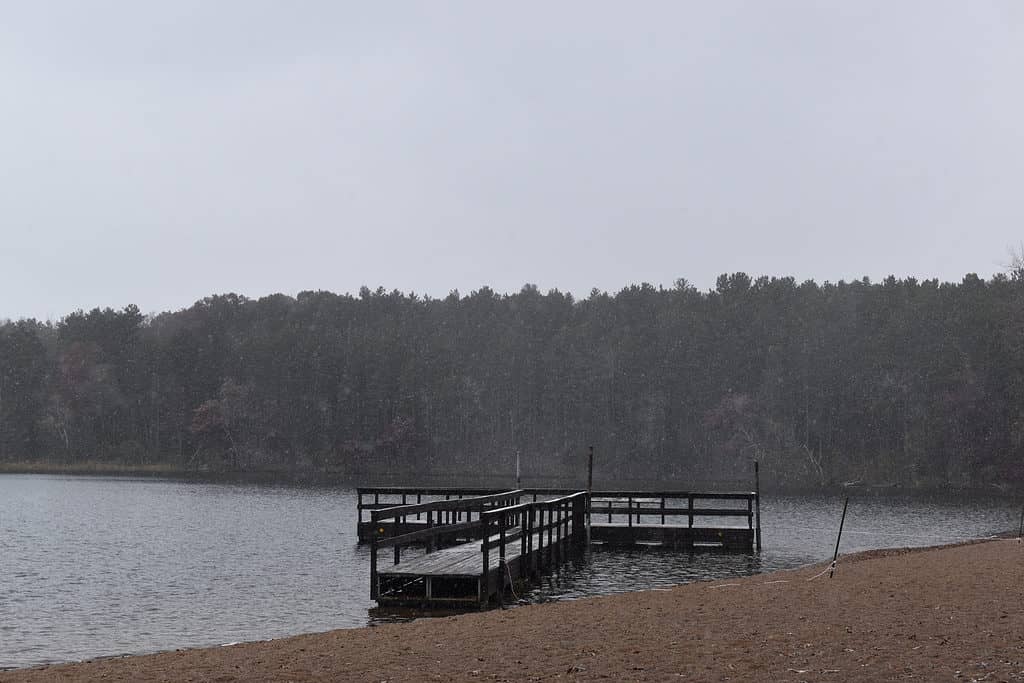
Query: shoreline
[173, 472]
[940, 612]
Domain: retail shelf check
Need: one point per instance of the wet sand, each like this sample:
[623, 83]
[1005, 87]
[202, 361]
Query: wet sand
[942, 614]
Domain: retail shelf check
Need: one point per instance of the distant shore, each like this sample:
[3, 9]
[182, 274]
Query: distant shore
[943, 613]
[321, 477]
[170, 471]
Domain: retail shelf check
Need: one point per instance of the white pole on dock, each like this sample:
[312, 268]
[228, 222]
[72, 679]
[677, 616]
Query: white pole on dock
[518, 479]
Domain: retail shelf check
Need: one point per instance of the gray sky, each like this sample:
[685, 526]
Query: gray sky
[155, 153]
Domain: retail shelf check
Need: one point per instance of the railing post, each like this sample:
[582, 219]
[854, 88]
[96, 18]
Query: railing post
[430, 525]
[485, 579]
[501, 536]
[579, 517]
[757, 503]
[590, 489]
[502, 567]
[567, 526]
[557, 526]
[563, 528]
[663, 510]
[397, 532]
[689, 506]
[373, 557]
[551, 534]
[629, 511]
[523, 527]
[568, 529]
[547, 527]
[533, 551]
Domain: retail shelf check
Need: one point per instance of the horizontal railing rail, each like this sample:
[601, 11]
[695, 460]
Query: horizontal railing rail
[664, 506]
[405, 495]
[455, 504]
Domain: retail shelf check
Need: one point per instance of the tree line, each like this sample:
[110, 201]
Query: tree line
[916, 383]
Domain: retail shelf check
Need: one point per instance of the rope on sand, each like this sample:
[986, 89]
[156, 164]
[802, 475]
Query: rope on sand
[824, 571]
[511, 586]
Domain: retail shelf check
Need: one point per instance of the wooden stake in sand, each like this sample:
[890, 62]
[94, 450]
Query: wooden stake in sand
[1020, 532]
[835, 555]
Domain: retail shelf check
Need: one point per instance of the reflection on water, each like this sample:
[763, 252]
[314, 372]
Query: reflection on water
[98, 566]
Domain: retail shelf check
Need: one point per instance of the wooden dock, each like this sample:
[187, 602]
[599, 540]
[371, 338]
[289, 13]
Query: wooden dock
[466, 546]
[472, 548]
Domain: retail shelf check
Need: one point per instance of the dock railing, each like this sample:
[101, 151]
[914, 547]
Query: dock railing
[446, 521]
[678, 518]
[545, 531]
[667, 506]
[369, 498]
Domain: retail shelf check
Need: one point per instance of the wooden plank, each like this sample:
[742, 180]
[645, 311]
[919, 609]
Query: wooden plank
[460, 560]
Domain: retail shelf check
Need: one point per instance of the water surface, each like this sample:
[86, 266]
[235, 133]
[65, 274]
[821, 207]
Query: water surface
[105, 566]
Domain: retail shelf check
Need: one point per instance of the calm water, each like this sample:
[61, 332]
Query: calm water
[94, 567]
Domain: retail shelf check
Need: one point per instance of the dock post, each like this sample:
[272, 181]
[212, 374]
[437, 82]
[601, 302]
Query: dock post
[590, 489]
[534, 551]
[359, 512]
[524, 526]
[485, 576]
[757, 503]
[579, 518]
[557, 548]
[550, 553]
[373, 556]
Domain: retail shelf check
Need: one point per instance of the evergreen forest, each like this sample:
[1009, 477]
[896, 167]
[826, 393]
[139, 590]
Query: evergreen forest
[894, 383]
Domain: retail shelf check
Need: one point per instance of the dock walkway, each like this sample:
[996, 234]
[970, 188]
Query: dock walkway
[465, 546]
[507, 540]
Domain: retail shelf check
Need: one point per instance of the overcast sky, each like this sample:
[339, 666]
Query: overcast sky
[158, 152]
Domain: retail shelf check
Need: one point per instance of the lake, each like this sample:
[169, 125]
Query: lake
[93, 566]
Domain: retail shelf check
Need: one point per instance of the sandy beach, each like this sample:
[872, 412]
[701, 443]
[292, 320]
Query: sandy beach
[942, 614]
